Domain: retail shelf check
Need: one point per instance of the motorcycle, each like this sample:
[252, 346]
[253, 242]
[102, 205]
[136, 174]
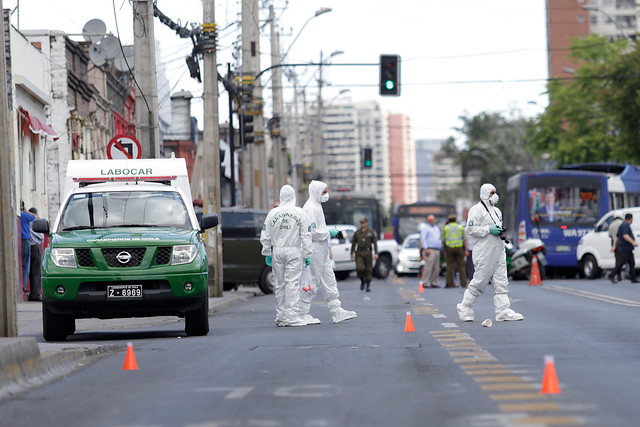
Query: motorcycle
[519, 262]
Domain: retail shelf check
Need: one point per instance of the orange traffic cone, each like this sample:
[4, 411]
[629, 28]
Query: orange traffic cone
[535, 280]
[421, 287]
[130, 359]
[408, 326]
[550, 380]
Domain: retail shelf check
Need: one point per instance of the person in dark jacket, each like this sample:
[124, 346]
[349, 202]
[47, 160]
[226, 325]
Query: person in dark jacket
[363, 242]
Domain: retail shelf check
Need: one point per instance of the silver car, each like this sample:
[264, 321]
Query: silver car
[409, 261]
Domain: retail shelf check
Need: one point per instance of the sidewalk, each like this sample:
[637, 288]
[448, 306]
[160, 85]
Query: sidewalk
[27, 363]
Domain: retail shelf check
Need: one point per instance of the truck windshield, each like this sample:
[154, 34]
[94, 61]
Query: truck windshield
[125, 209]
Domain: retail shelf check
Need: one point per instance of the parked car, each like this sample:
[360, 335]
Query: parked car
[241, 258]
[341, 250]
[594, 248]
[409, 261]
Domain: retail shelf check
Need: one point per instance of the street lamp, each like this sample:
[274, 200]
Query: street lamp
[318, 145]
[592, 8]
[319, 12]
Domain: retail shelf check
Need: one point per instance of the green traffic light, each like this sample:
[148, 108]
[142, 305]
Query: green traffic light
[367, 163]
[389, 84]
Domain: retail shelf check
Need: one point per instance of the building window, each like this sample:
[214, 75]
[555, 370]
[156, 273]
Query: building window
[593, 20]
[581, 18]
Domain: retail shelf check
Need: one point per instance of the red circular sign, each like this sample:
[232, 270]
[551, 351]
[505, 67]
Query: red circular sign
[124, 147]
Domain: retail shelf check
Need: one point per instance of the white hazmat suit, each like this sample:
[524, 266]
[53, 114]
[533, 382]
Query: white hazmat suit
[323, 275]
[284, 232]
[489, 258]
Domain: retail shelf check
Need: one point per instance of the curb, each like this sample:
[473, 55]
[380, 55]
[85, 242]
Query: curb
[25, 364]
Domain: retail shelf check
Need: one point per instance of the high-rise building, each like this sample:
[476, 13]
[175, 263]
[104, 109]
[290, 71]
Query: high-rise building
[425, 151]
[348, 129]
[402, 160]
[570, 19]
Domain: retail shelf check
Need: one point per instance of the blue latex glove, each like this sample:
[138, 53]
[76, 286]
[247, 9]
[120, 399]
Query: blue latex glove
[495, 230]
[333, 232]
[267, 260]
[307, 261]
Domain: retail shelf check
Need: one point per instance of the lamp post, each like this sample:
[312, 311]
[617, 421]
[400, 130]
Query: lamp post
[593, 8]
[318, 146]
[319, 12]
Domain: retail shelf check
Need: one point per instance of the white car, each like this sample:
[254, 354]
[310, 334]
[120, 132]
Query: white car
[409, 261]
[341, 251]
[594, 249]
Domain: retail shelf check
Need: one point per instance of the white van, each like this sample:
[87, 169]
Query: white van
[594, 249]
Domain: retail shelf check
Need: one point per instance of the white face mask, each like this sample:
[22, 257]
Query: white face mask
[494, 199]
[324, 197]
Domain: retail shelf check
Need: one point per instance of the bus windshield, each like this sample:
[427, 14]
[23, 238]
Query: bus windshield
[350, 209]
[570, 200]
[410, 219]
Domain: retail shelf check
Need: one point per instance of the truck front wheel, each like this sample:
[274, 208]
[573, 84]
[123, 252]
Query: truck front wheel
[56, 327]
[196, 323]
[382, 267]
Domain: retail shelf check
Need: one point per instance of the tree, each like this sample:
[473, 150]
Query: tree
[594, 116]
[496, 148]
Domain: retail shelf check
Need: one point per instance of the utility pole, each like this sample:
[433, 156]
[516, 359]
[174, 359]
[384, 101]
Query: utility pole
[280, 164]
[257, 158]
[317, 152]
[211, 146]
[8, 225]
[145, 76]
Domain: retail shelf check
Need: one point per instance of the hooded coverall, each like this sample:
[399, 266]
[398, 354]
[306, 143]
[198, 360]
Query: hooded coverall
[489, 260]
[284, 232]
[323, 275]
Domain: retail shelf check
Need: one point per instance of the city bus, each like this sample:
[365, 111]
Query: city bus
[623, 182]
[579, 199]
[348, 207]
[409, 218]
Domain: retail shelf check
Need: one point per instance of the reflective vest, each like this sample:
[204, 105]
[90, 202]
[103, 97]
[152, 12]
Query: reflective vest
[453, 235]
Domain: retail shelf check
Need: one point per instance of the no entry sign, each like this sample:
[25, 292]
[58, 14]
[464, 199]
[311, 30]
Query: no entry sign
[124, 147]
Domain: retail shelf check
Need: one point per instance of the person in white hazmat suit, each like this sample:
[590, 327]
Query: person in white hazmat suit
[286, 244]
[484, 224]
[323, 275]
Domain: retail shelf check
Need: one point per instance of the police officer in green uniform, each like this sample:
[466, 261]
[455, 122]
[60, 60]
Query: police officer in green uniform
[455, 250]
[363, 239]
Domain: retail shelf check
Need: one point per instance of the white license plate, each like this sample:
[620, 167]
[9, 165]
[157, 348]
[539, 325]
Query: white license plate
[563, 248]
[124, 291]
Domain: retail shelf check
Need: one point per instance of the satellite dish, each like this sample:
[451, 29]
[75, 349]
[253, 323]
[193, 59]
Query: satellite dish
[111, 47]
[94, 30]
[120, 63]
[97, 55]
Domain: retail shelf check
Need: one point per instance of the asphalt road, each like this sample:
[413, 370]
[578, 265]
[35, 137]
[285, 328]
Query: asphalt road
[367, 371]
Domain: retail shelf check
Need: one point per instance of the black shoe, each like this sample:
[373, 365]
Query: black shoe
[635, 281]
[613, 279]
[35, 298]
[362, 286]
[368, 289]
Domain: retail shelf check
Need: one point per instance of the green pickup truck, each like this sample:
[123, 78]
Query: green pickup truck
[126, 243]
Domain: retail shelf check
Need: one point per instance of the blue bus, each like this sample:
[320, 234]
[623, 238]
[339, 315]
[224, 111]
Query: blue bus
[623, 182]
[558, 207]
[408, 218]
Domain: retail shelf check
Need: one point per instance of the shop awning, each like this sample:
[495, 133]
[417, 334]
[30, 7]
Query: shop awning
[37, 126]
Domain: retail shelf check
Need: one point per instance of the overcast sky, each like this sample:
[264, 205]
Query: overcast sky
[459, 57]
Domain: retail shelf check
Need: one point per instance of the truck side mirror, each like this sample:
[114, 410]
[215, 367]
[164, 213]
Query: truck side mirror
[40, 226]
[208, 221]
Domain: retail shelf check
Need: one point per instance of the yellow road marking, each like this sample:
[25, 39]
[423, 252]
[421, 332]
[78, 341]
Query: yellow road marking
[490, 372]
[471, 359]
[529, 407]
[547, 421]
[444, 332]
[477, 367]
[518, 396]
[498, 379]
[506, 386]
[425, 310]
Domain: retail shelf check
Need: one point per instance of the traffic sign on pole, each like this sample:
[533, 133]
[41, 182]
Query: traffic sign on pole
[124, 147]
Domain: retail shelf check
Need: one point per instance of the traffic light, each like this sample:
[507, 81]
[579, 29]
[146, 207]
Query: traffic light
[367, 154]
[247, 129]
[389, 75]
